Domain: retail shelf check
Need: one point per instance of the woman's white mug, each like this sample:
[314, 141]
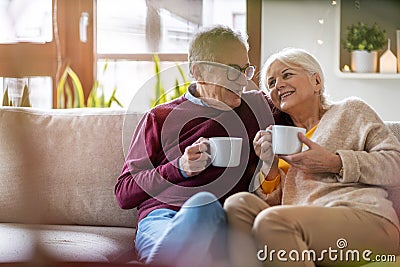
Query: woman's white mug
[285, 140]
[225, 151]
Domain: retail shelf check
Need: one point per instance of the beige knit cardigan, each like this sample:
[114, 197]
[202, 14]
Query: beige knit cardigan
[371, 162]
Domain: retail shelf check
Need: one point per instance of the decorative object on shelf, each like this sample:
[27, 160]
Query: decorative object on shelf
[398, 49]
[346, 68]
[364, 61]
[364, 42]
[388, 61]
[16, 93]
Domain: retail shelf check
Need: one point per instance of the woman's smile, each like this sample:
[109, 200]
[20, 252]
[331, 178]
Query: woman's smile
[286, 94]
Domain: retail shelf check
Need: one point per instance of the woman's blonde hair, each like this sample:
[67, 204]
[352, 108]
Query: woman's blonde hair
[296, 58]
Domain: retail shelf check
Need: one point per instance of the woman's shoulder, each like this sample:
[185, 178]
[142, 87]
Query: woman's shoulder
[352, 103]
[353, 108]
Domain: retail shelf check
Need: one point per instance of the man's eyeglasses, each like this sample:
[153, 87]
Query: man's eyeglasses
[234, 71]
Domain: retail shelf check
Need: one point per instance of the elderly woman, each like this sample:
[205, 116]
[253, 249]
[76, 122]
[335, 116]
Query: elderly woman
[327, 205]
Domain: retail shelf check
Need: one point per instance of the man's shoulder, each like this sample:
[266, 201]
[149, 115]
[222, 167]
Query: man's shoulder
[254, 93]
[255, 97]
[165, 108]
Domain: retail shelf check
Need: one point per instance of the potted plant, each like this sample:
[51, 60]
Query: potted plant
[364, 42]
[74, 98]
[160, 94]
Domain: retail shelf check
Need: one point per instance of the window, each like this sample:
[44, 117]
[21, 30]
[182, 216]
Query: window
[130, 32]
[124, 33]
[26, 23]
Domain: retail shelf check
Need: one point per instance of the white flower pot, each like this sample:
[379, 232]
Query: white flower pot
[364, 61]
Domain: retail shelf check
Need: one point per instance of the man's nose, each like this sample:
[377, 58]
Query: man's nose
[242, 81]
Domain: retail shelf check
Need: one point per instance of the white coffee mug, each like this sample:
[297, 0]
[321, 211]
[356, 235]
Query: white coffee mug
[225, 151]
[285, 140]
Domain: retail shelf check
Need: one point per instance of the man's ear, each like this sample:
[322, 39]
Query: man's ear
[197, 72]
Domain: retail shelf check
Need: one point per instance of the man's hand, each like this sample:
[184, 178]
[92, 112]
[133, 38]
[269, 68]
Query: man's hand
[195, 158]
[315, 160]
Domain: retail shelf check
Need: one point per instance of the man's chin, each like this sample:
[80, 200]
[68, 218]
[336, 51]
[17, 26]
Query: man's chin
[235, 92]
[235, 103]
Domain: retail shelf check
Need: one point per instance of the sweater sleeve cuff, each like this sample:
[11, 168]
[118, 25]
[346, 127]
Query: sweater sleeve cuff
[351, 168]
[172, 172]
[182, 171]
[268, 186]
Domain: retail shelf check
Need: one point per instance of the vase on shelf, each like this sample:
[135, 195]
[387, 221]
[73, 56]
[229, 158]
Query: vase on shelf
[364, 61]
[388, 61]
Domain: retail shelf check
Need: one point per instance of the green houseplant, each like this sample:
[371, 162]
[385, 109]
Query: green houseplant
[364, 42]
[360, 36]
[68, 97]
[160, 95]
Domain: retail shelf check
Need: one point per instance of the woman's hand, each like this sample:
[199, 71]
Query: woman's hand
[263, 147]
[195, 158]
[315, 160]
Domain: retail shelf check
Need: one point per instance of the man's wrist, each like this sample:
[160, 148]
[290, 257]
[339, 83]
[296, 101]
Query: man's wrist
[183, 173]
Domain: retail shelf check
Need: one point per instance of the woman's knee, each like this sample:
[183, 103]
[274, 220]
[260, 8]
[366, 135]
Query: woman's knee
[271, 220]
[237, 201]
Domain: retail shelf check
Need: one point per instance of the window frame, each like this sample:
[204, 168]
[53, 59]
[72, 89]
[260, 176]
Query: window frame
[49, 59]
[253, 27]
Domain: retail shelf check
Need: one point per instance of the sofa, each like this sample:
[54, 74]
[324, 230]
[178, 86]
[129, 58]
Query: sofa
[57, 174]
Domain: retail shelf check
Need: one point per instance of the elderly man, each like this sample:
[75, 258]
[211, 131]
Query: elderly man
[167, 173]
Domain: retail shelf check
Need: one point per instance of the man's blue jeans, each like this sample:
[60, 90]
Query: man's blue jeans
[193, 236]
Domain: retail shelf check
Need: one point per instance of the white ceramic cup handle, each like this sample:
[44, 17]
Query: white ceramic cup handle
[270, 131]
[210, 143]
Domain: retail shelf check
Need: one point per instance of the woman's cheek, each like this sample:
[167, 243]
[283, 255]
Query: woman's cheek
[275, 98]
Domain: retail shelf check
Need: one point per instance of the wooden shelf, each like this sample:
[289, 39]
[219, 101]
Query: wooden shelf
[353, 75]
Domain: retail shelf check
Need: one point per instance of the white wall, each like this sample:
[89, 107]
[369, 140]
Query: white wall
[296, 23]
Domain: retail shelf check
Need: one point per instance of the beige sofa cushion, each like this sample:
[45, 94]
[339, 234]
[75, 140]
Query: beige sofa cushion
[60, 166]
[19, 243]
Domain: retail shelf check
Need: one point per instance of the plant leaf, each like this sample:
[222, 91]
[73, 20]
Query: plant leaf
[69, 96]
[114, 98]
[91, 102]
[79, 101]
[25, 102]
[61, 89]
[6, 102]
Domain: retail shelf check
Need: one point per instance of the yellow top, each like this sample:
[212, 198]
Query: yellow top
[270, 185]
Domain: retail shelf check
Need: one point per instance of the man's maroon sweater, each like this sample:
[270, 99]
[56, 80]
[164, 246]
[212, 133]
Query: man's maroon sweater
[150, 177]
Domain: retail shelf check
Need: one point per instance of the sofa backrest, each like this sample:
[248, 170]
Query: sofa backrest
[59, 166]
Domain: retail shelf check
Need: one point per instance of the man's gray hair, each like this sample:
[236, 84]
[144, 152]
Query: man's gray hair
[208, 42]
